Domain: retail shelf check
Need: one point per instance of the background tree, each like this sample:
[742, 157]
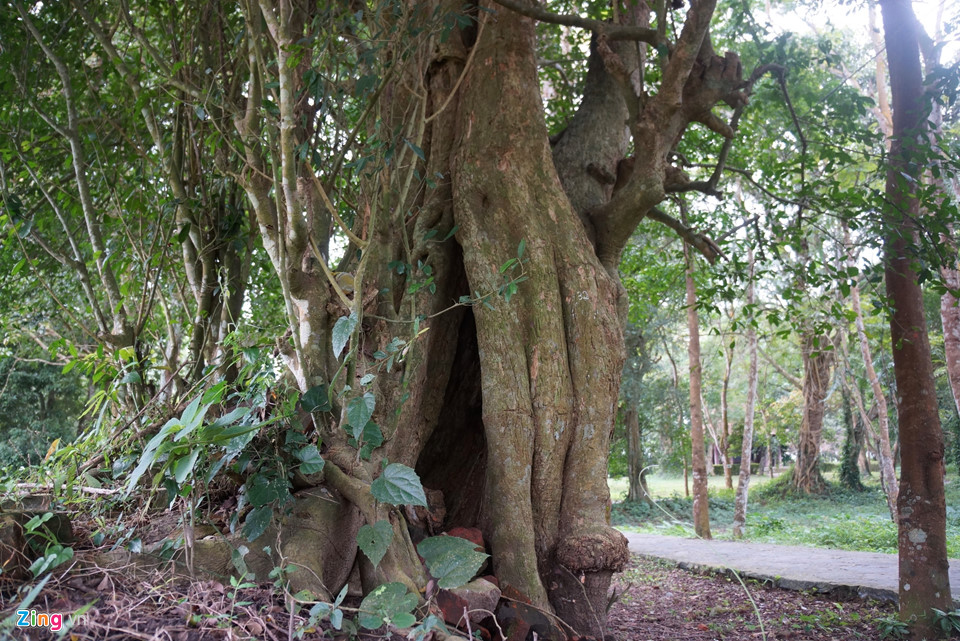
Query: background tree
[701, 505]
[746, 456]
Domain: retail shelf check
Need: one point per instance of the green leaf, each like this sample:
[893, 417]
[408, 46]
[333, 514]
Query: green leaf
[236, 557]
[365, 84]
[213, 396]
[372, 439]
[150, 454]
[316, 399]
[415, 150]
[320, 611]
[453, 230]
[192, 417]
[404, 620]
[342, 330]
[374, 540]
[32, 594]
[451, 560]
[398, 485]
[387, 602]
[310, 460]
[231, 417]
[431, 623]
[132, 376]
[359, 411]
[54, 556]
[262, 489]
[37, 521]
[336, 619]
[184, 466]
[257, 522]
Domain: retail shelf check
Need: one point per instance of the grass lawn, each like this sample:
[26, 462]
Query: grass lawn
[839, 520]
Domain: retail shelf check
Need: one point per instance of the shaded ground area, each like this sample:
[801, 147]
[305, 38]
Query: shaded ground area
[867, 574]
[665, 603]
[659, 602]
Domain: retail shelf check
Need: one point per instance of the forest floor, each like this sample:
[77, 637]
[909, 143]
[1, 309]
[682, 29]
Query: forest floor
[657, 602]
[664, 603]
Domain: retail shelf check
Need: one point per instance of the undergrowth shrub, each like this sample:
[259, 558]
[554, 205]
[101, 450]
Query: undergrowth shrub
[765, 525]
[863, 534]
[674, 508]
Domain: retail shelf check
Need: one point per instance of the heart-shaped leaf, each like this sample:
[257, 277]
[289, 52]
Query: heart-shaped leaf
[342, 331]
[257, 522]
[316, 399]
[374, 540]
[451, 560]
[310, 460]
[398, 485]
[359, 411]
[387, 602]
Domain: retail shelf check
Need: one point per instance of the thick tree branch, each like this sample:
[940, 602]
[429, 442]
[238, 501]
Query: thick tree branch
[709, 186]
[698, 241]
[686, 52]
[609, 30]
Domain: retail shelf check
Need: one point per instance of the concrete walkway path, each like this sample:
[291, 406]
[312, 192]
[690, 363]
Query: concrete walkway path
[867, 574]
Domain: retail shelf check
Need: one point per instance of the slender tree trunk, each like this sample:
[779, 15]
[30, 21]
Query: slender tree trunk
[816, 380]
[924, 578]
[772, 462]
[865, 462]
[849, 470]
[680, 425]
[888, 475]
[701, 514]
[743, 484]
[950, 316]
[725, 415]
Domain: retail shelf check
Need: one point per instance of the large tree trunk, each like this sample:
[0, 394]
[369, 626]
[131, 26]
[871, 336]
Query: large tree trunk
[816, 381]
[746, 450]
[550, 358]
[506, 407]
[924, 578]
[701, 505]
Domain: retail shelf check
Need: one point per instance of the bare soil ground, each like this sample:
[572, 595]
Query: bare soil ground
[664, 603]
[658, 603]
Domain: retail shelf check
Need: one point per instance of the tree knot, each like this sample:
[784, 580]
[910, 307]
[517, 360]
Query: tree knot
[595, 550]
